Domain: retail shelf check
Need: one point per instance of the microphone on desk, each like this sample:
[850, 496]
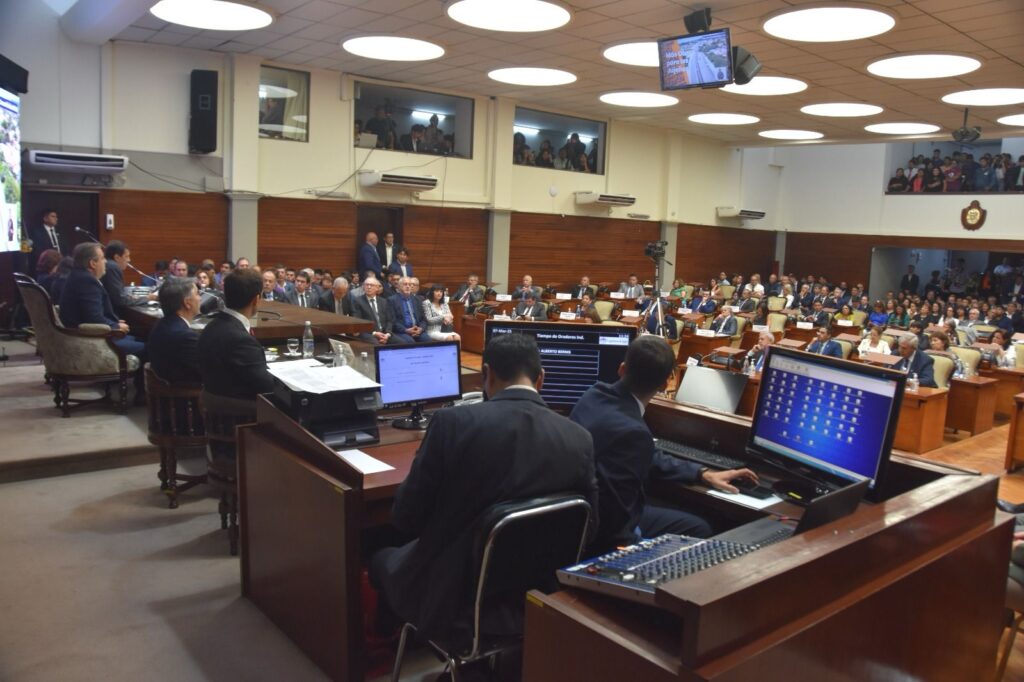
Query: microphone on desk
[93, 239]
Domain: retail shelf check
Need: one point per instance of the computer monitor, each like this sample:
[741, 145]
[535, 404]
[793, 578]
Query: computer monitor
[701, 60]
[712, 388]
[827, 422]
[416, 374]
[574, 356]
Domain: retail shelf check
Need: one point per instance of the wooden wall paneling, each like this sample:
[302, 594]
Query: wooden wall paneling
[446, 244]
[307, 233]
[703, 251]
[561, 249]
[163, 225]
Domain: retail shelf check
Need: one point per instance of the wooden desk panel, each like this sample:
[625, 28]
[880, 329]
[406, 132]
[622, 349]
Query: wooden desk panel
[972, 404]
[473, 334]
[458, 309]
[922, 420]
[805, 335]
[1015, 442]
[1011, 382]
[702, 345]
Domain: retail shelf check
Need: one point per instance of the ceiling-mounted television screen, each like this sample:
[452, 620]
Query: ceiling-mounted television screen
[701, 60]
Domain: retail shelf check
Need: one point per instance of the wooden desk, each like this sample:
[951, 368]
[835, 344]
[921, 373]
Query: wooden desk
[792, 343]
[922, 420]
[1015, 442]
[883, 359]
[972, 404]
[472, 334]
[1011, 382]
[702, 345]
[804, 335]
[458, 309]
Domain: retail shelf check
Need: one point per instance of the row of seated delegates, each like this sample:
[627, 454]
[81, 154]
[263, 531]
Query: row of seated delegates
[428, 139]
[959, 173]
[572, 155]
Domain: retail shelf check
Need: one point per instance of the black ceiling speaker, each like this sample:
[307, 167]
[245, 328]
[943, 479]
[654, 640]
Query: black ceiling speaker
[744, 66]
[965, 135]
[699, 21]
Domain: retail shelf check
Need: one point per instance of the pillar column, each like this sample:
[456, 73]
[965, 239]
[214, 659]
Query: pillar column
[499, 236]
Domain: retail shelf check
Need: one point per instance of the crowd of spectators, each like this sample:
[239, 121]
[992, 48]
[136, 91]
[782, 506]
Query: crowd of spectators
[959, 173]
[421, 139]
[573, 155]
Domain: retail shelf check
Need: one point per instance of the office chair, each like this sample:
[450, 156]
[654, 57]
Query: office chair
[175, 423]
[517, 547]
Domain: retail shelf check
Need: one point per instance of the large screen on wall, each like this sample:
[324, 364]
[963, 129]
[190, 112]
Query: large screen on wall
[10, 172]
[702, 60]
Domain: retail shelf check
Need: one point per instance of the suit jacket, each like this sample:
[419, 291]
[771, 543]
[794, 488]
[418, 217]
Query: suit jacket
[113, 282]
[530, 312]
[706, 308]
[473, 457]
[474, 295]
[173, 351]
[634, 291]
[396, 268]
[831, 347]
[820, 319]
[85, 301]
[625, 457]
[275, 295]
[327, 303]
[41, 242]
[747, 306]
[579, 290]
[910, 283]
[385, 318]
[921, 364]
[382, 251]
[369, 259]
[405, 144]
[725, 327]
[518, 293]
[231, 361]
[312, 297]
[398, 305]
[773, 289]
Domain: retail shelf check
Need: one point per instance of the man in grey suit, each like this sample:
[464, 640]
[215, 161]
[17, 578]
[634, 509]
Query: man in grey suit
[372, 307]
[468, 292]
[725, 323]
[528, 308]
[526, 286]
[632, 287]
[303, 295]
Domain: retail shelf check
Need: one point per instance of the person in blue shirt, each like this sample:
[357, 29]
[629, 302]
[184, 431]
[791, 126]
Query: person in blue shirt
[705, 304]
[824, 345]
[985, 179]
[878, 315]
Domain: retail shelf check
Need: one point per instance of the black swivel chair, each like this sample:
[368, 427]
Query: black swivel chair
[517, 547]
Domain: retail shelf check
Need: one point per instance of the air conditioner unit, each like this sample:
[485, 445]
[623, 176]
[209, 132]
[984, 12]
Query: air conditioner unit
[71, 162]
[419, 183]
[604, 199]
[743, 213]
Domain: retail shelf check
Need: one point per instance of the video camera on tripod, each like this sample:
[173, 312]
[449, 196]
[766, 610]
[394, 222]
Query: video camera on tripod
[655, 250]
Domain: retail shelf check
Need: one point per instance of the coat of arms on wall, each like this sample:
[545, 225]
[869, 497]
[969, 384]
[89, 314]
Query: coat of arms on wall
[973, 217]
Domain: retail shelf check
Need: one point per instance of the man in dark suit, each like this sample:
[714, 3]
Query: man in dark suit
[118, 257]
[774, 286]
[582, 288]
[527, 285]
[304, 295]
[627, 458]
[369, 259]
[817, 315]
[468, 292]
[172, 344]
[632, 287]
[510, 447]
[914, 361]
[85, 301]
[759, 352]
[746, 302]
[387, 250]
[45, 237]
[528, 308]
[232, 362]
[407, 312]
[705, 304]
[271, 291]
[725, 324]
[336, 300]
[392, 287]
[401, 265]
[825, 345]
[413, 141]
[370, 306]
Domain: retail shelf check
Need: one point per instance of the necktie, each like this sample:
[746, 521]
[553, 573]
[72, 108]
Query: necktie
[409, 317]
[53, 238]
[373, 308]
[465, 296]
[338, 307]
[302, 300]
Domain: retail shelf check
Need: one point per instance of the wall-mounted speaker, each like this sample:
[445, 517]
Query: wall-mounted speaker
[744, 66]
[202, 122]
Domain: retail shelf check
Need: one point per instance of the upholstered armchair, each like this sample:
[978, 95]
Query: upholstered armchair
[83, 355]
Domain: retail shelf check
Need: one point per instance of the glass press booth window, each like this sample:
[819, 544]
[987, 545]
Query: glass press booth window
[414, 121]
[284, 104]
[546, 140]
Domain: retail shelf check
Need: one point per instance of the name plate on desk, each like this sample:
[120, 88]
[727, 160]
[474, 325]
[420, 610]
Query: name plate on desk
[705, 332]
[503, 297]
[734, 308]
[617, 295]
[567, 316]
[563, 297]
[805, 325]
[501, 317]
[666, 294]
[844, 323]
[759, 328]
[631, 313]
[684, 311]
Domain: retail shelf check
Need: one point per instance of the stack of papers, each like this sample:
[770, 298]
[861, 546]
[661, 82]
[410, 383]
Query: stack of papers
[312, 376]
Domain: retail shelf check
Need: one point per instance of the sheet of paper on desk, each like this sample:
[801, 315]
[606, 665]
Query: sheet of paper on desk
[746, 500]
[312, 376]
[362, 461]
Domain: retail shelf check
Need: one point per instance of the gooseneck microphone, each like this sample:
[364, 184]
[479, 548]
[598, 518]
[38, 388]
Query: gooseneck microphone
[91, 238]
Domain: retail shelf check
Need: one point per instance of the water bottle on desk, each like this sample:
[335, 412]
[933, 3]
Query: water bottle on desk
[912, 382]
[308, 342]
[364, 365]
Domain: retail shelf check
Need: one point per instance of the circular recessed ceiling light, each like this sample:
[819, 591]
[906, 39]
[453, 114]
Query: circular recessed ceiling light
[643, 53]
[393, 48]
[924, 66]
[791, 134]
[986, 97]
[901, 128]
[844, 109]
[532, 76]
[768, 85]
[518, 16]
[213, 15]
[829, 24]
[724, 119]
[1014, 120]
[638, 99]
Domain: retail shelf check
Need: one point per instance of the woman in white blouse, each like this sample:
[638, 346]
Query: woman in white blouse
[873, 343]
[439, 317]
[1006, 355]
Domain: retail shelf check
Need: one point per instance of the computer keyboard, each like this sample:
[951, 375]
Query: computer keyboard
[634, 572]
[708, 459]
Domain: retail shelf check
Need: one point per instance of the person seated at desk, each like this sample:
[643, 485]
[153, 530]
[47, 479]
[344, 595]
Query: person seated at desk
[528, 308]
[232, 362]
[118, 259]
[582, 288]
[409, 322]
[705, 304]
[626, 456]
[468, 293]
[939, 341]
[725, 324]
[631, 287]
[439, 319]
[873, 342]
[817, 315]
[759, 351]
[845, 313]
[303, 295]
[172, 344]
[586, 309]
[526, 286]
[825, 345]
[915, 362]
[270, 292]
[336, 300]
[370, 306]
[1006, 354]
[401, 265]
[746, 302]
[878, 315]
[510, 447]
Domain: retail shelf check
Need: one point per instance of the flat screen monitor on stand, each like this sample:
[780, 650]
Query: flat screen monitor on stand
[417, 374]
[825, 422]
[712, 388]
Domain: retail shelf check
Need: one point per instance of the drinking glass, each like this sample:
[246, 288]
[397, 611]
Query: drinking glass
[293, 346]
